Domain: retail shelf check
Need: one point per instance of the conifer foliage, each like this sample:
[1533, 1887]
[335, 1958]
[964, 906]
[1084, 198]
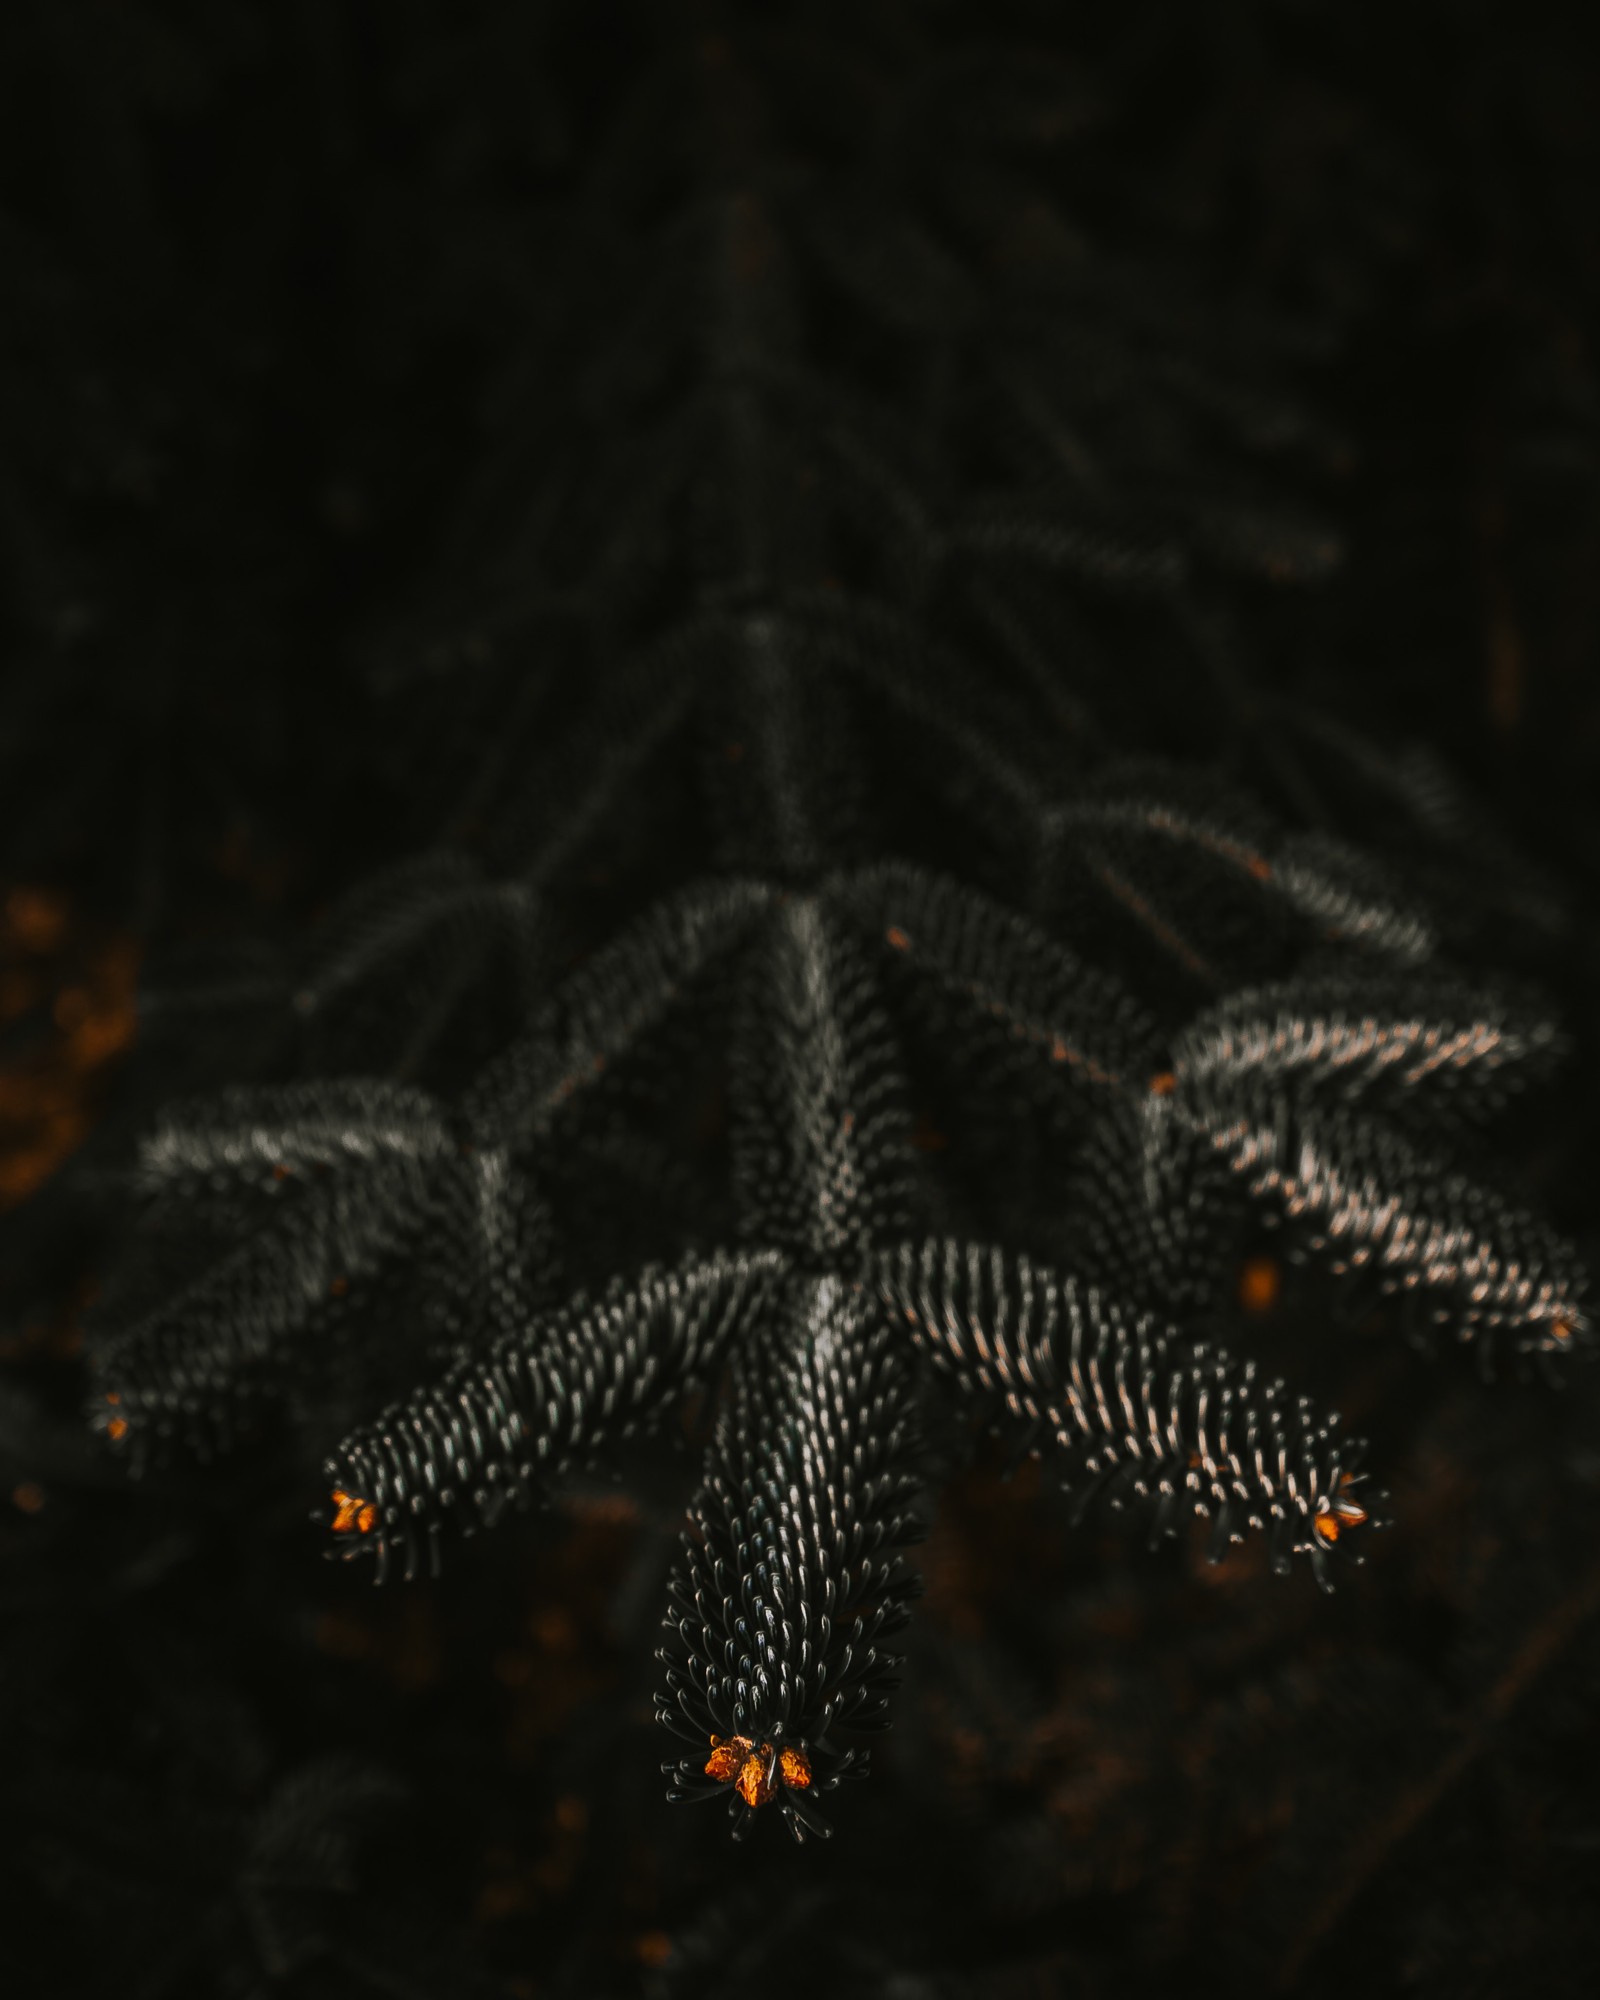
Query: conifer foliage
[849, 512]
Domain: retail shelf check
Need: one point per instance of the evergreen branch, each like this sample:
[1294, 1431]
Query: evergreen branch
[1153, 1209]
[1364, 1200]
[199, 1364]
[604, 1008]
[791, 1575]
[507, 1419]
[434, 897]
[1350, 1035]
[821, 1132]
[1134, 1415]
[1040, 994]
[262, 1134]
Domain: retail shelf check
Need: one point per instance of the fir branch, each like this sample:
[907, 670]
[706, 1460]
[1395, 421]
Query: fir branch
[821, 1131]
[1004, 969]
[624, 990]
[263, 1134]
[509, 1418]
[1133, 1414]
[791, 1575]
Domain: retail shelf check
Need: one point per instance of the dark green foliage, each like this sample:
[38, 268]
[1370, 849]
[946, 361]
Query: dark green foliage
[829, 891]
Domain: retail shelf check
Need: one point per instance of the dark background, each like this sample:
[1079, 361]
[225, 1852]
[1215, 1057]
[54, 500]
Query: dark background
[263, 275]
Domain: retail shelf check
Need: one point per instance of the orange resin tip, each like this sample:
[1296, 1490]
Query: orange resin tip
[727, 1755]
[35, 919]
[1260, 1282]
[1163, 1083]
[350, 1511]
[1350, 1512]
[898, 938]
[756, 1769]
[755, 1777]
[1344, 1513]
[117, 1429]
[1561, 1329]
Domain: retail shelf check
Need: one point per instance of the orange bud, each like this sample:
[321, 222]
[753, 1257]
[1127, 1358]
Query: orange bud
[350, 1511]
[1349, 1512]
[755, 1777]
[727, 1755]
[1260, 1282]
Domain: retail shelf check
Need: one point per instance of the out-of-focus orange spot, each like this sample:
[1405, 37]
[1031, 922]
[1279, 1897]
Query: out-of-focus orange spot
[59, 1337]
[1506, 675]
[47, 1093]
[338, 1287]
[1163, 1084]
[555, 1629]
[28, 1497]
[1260, 867]
[897, 938]
[654, 1948]
[35, 921]
[572, 1813]
[18, 992]
[117, 1429]
[351, 1511]
[733, 752]
[616, 1509]
[1561, 1329]
[343, 1635]
[237, 859]
[1260, 1283]
[926, 1136]
[100, 1035]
